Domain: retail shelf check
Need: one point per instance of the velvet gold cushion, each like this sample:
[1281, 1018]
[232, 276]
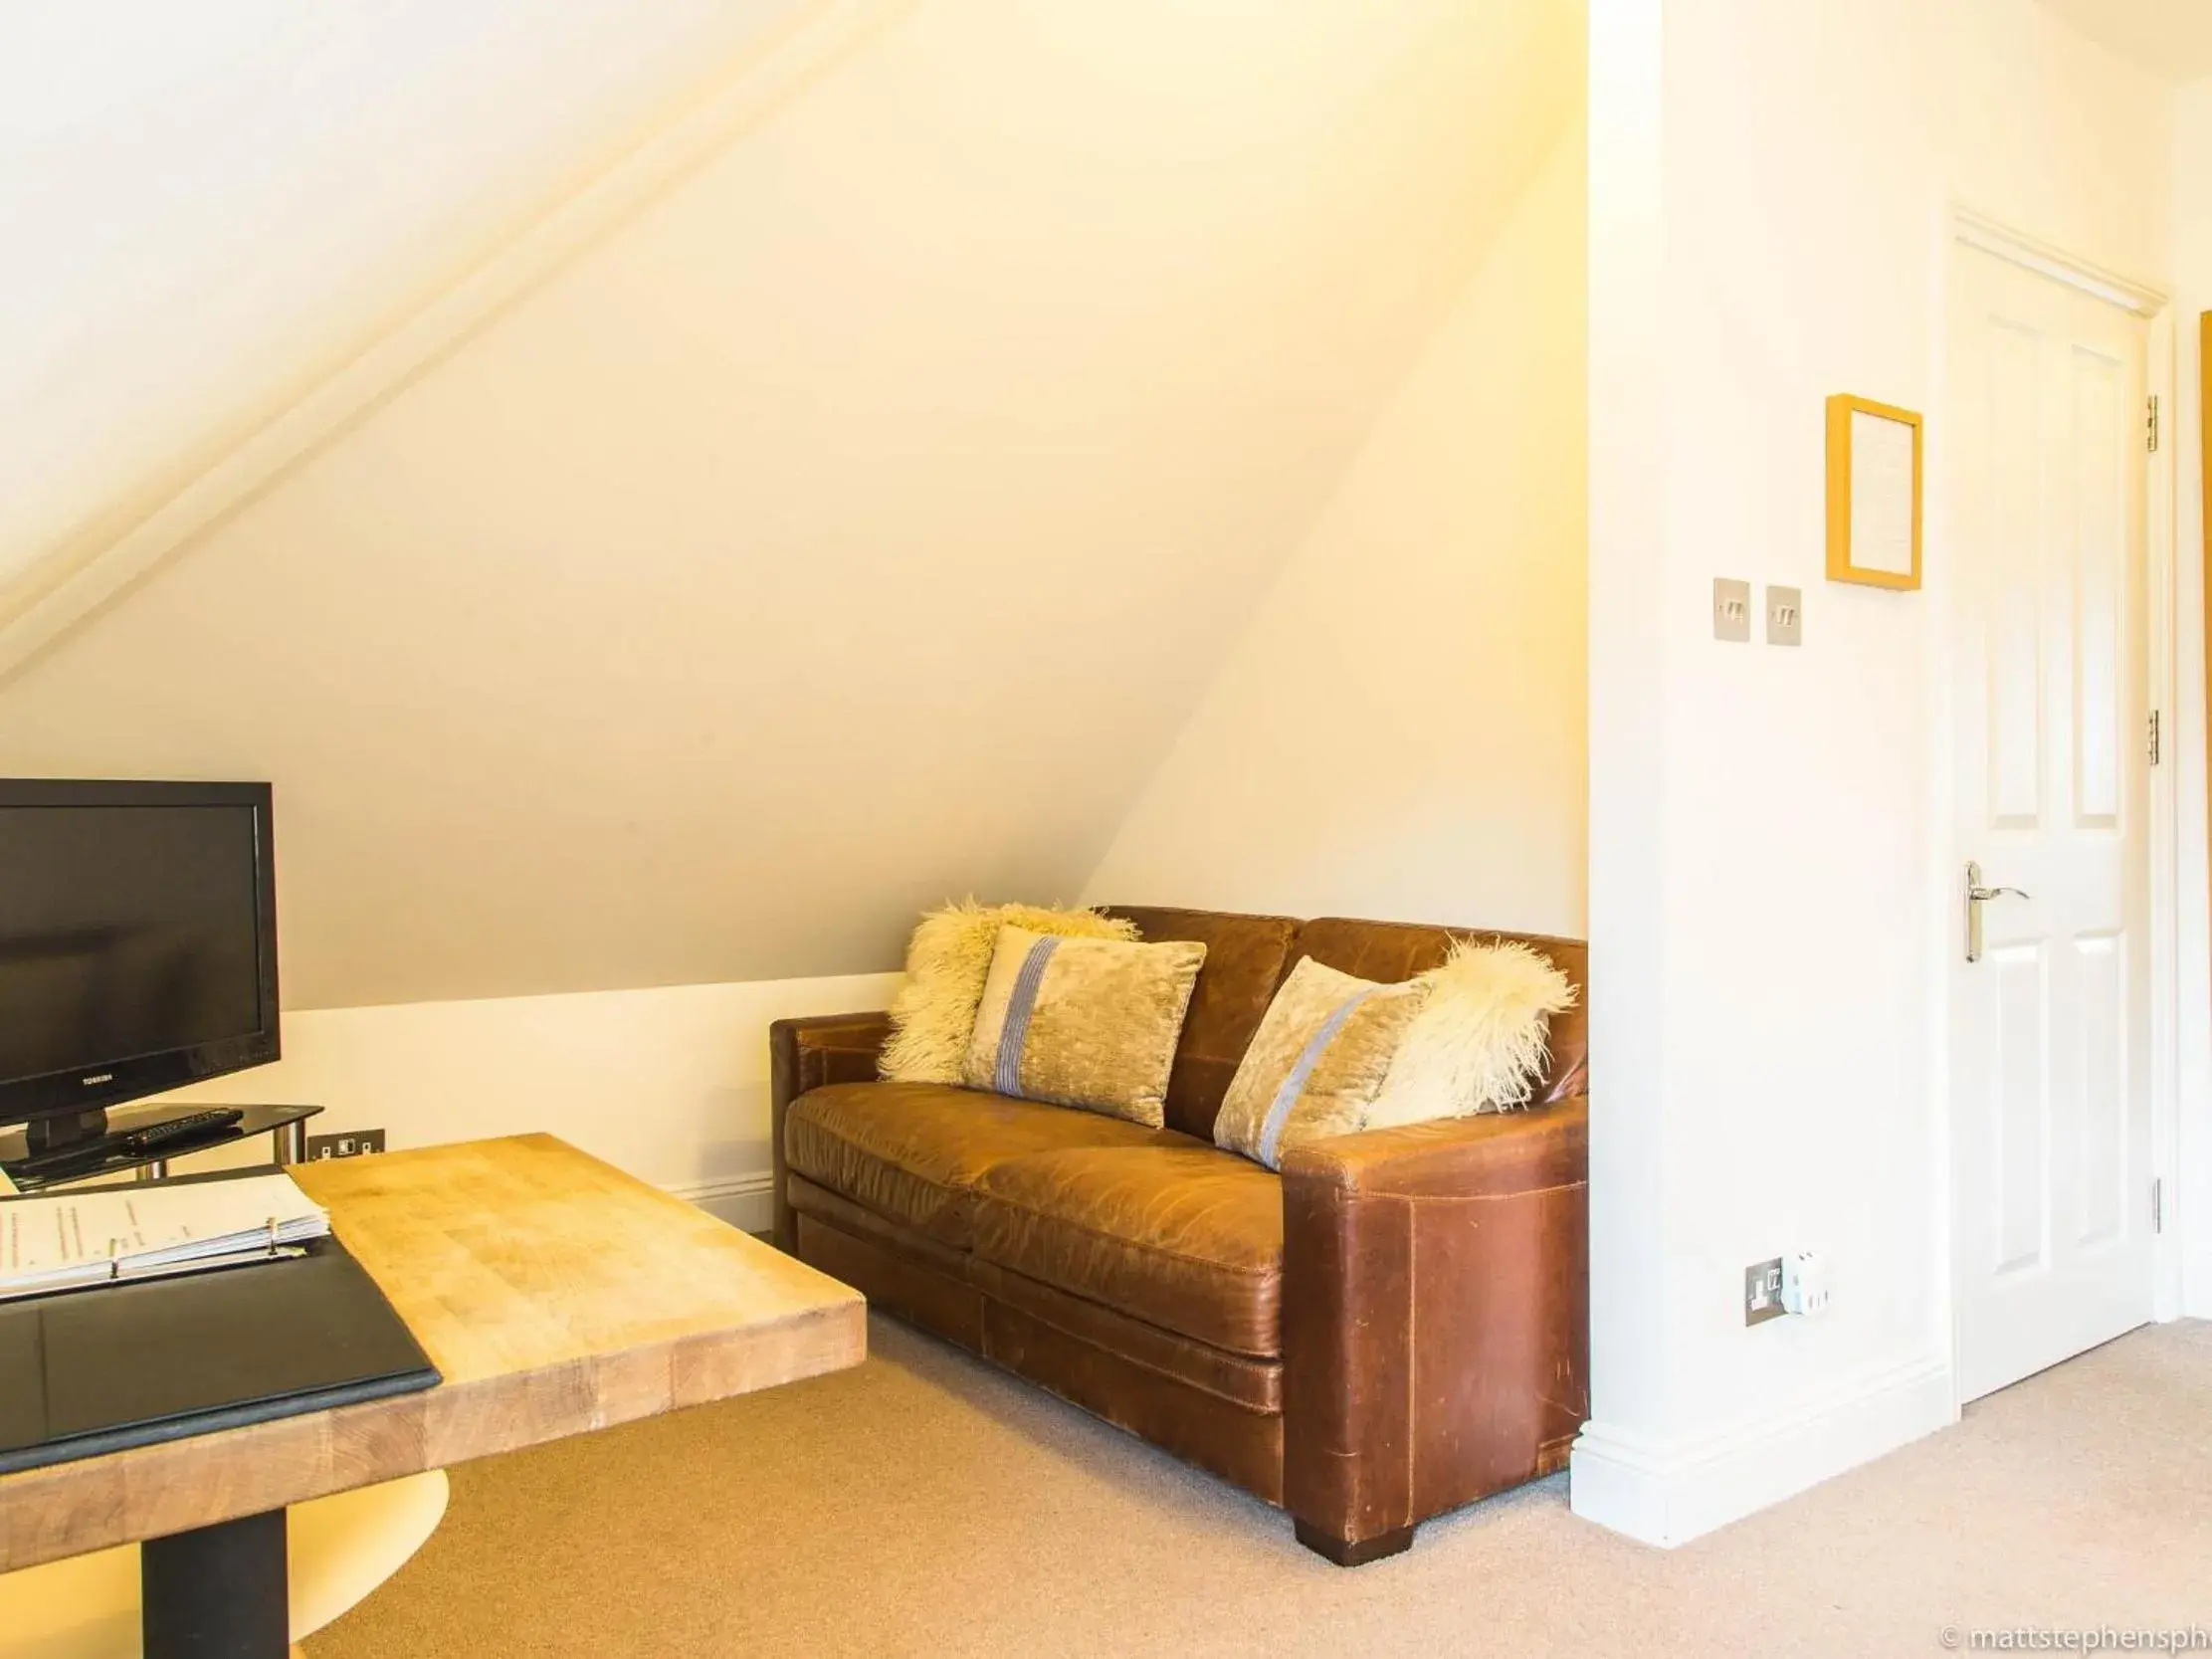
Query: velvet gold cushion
[1320, 1056]
[1086, 1022]
[933, 1014]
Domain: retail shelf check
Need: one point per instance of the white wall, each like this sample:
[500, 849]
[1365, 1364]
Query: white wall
[1400, 733]
[670, 1084]
[1771, 190]
[2192, 269]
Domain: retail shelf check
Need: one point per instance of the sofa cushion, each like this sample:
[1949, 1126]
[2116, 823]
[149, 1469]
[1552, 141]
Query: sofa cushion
[1479, 1042]
[913, 1152]
[1391, 950]
[1320, 1056]
[1246, 958]
[1178, 1234]
[1083, 1022]
[932, 1013]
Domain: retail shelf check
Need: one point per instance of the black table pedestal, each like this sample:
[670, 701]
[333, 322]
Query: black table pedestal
[218, 1593]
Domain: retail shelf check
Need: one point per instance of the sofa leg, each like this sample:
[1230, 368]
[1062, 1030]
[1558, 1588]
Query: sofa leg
[1356, 1552]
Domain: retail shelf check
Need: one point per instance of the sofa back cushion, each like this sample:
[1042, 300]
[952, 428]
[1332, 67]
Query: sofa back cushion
[1393, 951]
[1246, 956]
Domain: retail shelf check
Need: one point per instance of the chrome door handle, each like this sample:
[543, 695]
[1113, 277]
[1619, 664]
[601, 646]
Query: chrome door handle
[1976, 897]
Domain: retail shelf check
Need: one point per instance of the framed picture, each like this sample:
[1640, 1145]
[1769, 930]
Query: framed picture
[1873, 493]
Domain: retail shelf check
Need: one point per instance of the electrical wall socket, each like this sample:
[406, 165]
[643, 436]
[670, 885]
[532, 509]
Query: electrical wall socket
[1732, 610]
[1785, 616]
[1794, 1284]
[1762, 1291]
[352, 1143]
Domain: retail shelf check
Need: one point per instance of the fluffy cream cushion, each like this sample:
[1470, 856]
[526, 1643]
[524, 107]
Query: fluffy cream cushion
[1479, 1042]
[933, 1015]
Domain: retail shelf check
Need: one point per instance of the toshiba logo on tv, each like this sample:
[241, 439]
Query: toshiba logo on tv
[97, 1076]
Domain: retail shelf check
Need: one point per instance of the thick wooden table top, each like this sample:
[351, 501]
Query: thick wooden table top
[556, 1293]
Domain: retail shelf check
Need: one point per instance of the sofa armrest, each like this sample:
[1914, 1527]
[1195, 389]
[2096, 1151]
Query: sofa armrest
[1435, 1316]
[806, 1054]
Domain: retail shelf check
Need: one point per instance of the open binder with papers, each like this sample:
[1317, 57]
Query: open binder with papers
[113, 1333]
[97, 1236]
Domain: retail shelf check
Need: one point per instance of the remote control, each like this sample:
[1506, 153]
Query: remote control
[193, 1126]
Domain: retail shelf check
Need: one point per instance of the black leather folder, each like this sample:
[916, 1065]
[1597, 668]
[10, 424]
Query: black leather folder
[94, 1371]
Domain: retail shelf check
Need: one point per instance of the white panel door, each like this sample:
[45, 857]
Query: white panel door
[2051, 1076]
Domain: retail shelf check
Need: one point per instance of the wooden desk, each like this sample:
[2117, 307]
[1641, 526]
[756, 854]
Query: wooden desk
[555, 1294]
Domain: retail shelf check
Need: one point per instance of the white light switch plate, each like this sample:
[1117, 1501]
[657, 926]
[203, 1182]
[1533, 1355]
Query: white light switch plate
[1732, 610]
[1785, 616]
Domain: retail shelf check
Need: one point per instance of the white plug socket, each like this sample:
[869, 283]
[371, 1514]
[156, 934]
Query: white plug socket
[1805, 1288]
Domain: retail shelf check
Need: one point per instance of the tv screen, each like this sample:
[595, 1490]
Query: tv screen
[134, 939]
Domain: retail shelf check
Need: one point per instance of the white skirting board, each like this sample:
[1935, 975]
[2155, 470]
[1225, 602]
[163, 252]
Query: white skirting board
[747, 1202]
[1670, 1492]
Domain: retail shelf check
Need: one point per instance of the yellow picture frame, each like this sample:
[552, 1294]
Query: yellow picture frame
[1873, 515]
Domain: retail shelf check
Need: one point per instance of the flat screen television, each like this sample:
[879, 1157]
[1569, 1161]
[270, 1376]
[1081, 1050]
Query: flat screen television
[137, 945]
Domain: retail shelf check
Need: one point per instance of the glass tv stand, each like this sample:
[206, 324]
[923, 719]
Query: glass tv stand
[286, 1125]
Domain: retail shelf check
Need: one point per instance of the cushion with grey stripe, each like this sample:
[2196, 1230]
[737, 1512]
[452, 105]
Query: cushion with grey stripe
[1083, 1022]
[1319, 1058]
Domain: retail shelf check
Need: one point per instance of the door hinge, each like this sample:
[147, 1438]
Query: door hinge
[2153, 425]
[2156, 746]
[2158, 1205]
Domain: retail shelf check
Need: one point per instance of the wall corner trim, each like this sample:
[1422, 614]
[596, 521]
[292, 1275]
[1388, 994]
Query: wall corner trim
[1668, 1493]
[1977, 230]
[71, 580]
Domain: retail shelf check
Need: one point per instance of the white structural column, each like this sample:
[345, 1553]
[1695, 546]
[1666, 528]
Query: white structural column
[1628, 751]
[1769, 208]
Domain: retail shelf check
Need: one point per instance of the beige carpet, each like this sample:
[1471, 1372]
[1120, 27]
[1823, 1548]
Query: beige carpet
[923, 1503]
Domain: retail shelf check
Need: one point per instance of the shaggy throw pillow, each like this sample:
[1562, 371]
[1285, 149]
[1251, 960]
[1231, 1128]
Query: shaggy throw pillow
[1481, 1041]
[933, 1014]
[1321, 1053]
[1086, 1022]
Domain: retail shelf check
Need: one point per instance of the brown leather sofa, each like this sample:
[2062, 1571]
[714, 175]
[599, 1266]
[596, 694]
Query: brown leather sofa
[1394, 1326]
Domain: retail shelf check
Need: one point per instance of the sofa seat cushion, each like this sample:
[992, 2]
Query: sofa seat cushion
[1179, 1234]
[913, 1152]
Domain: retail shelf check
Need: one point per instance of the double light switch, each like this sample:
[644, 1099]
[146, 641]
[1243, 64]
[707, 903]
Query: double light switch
[1732, 613]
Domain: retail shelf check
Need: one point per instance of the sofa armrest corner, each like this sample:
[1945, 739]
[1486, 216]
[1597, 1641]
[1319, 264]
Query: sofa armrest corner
[1489, 1154]
[1435, 1315]
[810, 1053]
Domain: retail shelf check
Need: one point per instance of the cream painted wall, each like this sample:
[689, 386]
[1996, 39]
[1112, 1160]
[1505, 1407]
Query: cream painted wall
[854, 527]
[1400, 733]
[2192, 269]
[207, 205]
[1769, 889]
[670, 1084]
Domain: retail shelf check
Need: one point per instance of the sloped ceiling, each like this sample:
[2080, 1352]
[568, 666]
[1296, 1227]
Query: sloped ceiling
[2170, 38]
[854, 527]
[205, 206]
